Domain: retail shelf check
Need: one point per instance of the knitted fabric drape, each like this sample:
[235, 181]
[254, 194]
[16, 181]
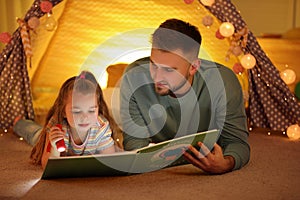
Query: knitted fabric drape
[271, 104]
[15, 93]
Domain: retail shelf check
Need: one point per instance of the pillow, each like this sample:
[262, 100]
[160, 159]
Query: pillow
[115, 73]
[42, 100]
[112, 98]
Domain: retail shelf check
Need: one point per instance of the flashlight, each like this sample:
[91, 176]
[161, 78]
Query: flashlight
[60, 145]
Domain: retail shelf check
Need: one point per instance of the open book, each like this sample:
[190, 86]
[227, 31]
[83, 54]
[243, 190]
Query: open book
[158, 156]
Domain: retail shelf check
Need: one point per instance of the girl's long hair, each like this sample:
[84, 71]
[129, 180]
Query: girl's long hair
[84, 83]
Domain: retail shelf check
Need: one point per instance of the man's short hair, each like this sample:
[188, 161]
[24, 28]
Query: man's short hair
[174, 34]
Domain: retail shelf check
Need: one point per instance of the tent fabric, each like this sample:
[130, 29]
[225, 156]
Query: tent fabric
[271, 104]
[93, 34]
[15, 93]
[112, 28]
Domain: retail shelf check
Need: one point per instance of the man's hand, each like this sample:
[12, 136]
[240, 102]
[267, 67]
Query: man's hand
[212, 162]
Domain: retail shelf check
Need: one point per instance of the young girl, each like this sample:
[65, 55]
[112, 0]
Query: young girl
[87, 127]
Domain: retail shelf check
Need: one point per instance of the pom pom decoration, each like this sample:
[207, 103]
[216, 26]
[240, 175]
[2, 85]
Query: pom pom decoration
[226, 29]
[207, 2]
[288, 76]
[188, 1]
[248, 61]
[5, 37]
[293, 132]
[237, 50]
[238, 68]
[33, 22]
[46, 6]
[207, 20]
[237, 42]
[218, 35]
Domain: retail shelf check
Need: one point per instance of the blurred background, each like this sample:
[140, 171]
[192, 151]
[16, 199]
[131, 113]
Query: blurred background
[275, 23]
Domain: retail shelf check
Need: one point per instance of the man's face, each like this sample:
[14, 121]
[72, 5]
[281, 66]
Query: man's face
[171, 73]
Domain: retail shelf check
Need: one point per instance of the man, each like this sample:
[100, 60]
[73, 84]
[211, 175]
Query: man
[173, 93]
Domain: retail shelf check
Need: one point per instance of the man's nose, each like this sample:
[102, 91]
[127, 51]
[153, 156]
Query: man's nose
[158, 75]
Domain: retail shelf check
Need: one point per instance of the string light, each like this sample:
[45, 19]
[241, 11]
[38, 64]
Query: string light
[288, 76]
[293, 132]
[50, 23]
[226, 29]
[207, 2]
[248, 61]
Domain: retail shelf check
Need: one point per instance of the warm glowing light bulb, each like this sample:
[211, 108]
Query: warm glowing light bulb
[226, 29]
[208, 2]
[293, 132]
[248, 61]
[288, 76]
[50, 23]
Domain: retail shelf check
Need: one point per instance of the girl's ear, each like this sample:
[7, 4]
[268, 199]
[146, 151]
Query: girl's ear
[195, 66]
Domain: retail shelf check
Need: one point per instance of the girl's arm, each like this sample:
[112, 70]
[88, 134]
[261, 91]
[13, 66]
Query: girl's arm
[106, 143]
[108, 150]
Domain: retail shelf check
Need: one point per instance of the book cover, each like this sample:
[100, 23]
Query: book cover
[151, 158]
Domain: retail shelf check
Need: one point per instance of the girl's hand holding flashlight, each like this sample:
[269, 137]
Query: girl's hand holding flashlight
[56, 137]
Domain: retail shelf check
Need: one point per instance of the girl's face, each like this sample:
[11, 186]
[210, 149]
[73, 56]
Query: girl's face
[81, 111]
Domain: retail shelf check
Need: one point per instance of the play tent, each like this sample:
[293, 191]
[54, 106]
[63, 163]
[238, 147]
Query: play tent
[95, 34]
